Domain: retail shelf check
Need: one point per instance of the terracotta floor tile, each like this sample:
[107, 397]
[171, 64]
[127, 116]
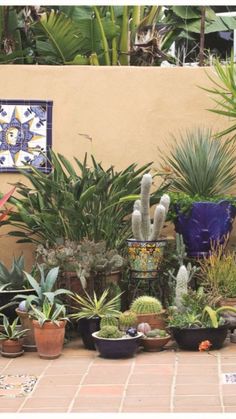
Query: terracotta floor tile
[10, 403]
[66, 379]
[114, 362]
[229, 389]
[54, 391]
[47, 402]
[27, 370]
[145, 390]
[134, 402]
[46, 410]
[150, 379]
[107, 378]
[228, 360]
[196, 401]
[229, 409]
[155, 358]
[196, 379]
[145, 409]
[157, 370]
[198, 409]
[228, 368]
[199, 359]
[229, 400]
[103, 391]
[96, 404]
[67, 370]
[197, 389]
[195, 370]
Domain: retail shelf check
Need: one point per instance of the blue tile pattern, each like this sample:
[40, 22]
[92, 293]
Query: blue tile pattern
[25, 134]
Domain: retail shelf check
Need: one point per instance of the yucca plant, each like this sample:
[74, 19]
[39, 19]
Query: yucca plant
[95, 306]
[201, 165]
[224, 93]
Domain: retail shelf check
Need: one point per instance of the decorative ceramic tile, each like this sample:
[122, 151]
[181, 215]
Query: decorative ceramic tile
[229, 378]
[16, 385]
[25, 134]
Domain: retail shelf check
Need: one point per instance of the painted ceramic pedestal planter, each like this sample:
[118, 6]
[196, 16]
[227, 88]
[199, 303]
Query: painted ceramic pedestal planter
[207, 224]
[145, 257]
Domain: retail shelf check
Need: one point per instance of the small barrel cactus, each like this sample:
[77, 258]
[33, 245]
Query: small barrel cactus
[141, 222]
[156, 333]
[109, 320]
[127, 319]
[110, 332]
[144, 328]
[146, 305]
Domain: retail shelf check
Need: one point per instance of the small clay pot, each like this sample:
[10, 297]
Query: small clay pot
[154, 344]
[12, 348]
[49, 338]
[29, 344]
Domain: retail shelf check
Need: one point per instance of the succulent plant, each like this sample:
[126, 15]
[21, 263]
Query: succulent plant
[156, 333]
[141, 220]
[144, 328]
[146, 305]
[110, 332]
[127, 319]
[109, 320]
[12, 279]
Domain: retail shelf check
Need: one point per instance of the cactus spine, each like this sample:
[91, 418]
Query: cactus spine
[141, 222]
[146, 305]
[127, 319]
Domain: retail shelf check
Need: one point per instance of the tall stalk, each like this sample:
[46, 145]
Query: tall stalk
[124, 39]
[103, 36]
[114, 45]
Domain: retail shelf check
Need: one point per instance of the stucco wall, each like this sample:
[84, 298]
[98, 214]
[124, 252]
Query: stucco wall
[128, 113]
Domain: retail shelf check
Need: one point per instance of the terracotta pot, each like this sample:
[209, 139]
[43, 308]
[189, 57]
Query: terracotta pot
[12, 348]
[154, 344]
[156, 321]
[113, 278]
[29, 344]
[228, 302]
[49, 338]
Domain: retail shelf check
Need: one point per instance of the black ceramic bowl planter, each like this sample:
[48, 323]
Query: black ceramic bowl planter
[190, 338]
[117, 348]
[86, 328]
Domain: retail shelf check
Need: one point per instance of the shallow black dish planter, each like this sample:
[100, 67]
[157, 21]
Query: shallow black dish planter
[86, 327]
[117, 348]
[190, 339]
[206, 224]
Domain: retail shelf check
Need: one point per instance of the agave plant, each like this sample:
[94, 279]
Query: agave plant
[94, 306]
[49, 313]
[10, 331]
[12, 279]
[201, 165]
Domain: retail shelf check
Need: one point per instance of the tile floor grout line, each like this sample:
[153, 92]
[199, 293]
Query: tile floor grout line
[7, 365]
[220, 383]
[38, 379]
[80, 385]
[126, 386]
[172, 391]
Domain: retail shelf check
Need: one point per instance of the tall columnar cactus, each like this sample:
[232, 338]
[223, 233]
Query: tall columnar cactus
[141, 222]
[181, 288]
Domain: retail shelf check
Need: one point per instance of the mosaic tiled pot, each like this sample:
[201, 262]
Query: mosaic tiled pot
[49, 338]
[145, 257]
[207, 223]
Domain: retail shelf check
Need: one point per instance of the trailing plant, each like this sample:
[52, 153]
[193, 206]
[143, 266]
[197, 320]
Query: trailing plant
[94, 306]
[11, 331]
[110, 332]
[141, 221]
[14, 278]
[146, 305]
[49, 312]
[201, 165]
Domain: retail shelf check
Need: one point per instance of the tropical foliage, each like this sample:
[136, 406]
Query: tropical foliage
[70, 205]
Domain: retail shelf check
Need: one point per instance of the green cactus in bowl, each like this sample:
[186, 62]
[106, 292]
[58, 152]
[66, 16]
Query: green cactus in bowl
[110, 332]
[156, 333]
[127, 319]
[109, 320]
[146, 305]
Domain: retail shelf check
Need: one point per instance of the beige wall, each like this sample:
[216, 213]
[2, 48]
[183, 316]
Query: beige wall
[127, 112]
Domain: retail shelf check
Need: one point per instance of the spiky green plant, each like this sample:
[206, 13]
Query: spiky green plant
[128, 319]
[94, 306]
[10, 331]
[110, 332]
[146, 305]
[201, 165]
[12, 279]
[49, 312]
[109, 320]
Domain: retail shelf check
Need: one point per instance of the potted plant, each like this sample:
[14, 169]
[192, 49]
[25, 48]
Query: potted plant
[145, 249]
[153, 339]
[113, 343]
[149, 310]
[202, 169]
[49, 328]
[42, 288]
[198, 322]
[11, 338]
[91, 311]
[13, 282]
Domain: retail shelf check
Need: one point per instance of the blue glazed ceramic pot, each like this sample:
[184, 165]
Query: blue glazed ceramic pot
[207, 224]
[117, 348]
